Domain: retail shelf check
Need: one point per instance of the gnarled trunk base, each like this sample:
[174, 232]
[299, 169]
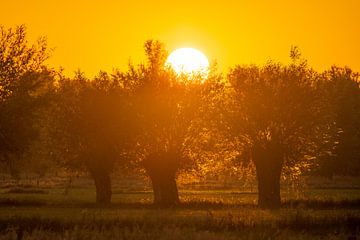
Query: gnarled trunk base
[268, 161]
[161, 169]
[103, 188]
[268, 186]
[165, 191]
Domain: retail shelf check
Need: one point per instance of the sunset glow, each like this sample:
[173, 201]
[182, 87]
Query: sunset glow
[230, 32]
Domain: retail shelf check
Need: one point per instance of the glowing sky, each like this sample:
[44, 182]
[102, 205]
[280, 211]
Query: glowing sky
[99, 35]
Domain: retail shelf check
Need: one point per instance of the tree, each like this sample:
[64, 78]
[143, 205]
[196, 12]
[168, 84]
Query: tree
[24, 86]
[279, 117]
[92, 127]
[343, 90]
[167, 106]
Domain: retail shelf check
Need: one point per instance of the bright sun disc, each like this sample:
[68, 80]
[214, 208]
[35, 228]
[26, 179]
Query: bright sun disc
[188, 61]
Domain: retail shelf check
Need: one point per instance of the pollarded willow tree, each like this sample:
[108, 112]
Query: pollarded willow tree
[92, 126]
[279, 116]
[168, 106]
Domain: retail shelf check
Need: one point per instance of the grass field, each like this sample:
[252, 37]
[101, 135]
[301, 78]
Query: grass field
[227, 214]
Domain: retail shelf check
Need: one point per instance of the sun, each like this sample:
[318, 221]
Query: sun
[188, 61]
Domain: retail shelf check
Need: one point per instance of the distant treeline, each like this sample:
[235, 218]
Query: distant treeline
[278, 118]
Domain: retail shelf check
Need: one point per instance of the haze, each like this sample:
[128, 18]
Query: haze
[100, 35]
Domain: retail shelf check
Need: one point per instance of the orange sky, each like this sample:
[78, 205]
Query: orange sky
[99, 35]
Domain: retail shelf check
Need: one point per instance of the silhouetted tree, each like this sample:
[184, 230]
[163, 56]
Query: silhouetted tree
[279, 117]
[343, 90]
[92, 127]
[24, 86]
[167, 105]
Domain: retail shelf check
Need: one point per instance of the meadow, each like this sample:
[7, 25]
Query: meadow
[48, 213]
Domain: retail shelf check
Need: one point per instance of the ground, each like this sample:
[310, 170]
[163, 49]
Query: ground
[212, 214]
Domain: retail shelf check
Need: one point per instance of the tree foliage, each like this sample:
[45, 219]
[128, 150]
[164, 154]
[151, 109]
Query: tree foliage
[24, 85]
[279, 118]
[93, 125]
[342, 87]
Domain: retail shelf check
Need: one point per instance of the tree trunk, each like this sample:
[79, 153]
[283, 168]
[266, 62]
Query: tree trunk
[165, 190]
[156, 190]
[268, 161]
[103, 188]
[162, 171]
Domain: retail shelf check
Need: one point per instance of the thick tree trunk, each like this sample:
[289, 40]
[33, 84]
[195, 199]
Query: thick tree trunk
[268, 177]
[165, 190]
[103, 187]
[268, 161]
[156, 190]
[162, 172]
